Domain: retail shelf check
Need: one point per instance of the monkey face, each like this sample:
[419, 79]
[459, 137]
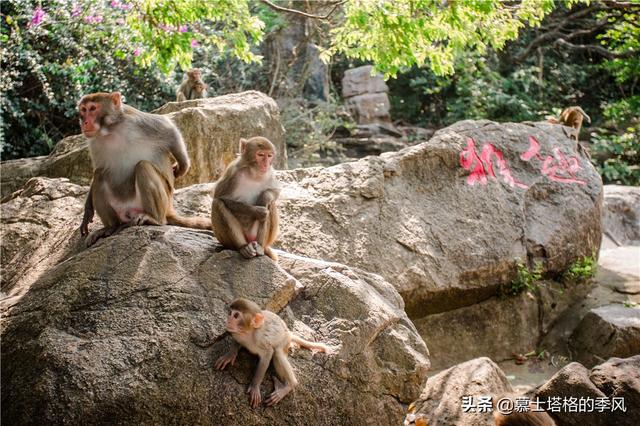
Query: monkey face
[99, 110]
[263, 160]
[90, 113]
[235, 322]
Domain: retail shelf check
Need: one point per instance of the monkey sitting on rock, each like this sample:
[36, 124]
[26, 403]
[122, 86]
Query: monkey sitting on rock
[132, 154]
[572, 117]
[193, 87]
[244, 216]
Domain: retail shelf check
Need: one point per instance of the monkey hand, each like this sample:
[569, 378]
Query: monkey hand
[224, 360]
[254, 395]
[260, 213]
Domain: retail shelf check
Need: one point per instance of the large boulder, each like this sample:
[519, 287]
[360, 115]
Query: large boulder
[37, 225]
[365, 95]
[127, 331]
[619, 378]
[211, 129]
[572, 381]
[498, 327]
[609, 394]
[69, 159]
[447, 221]
[463, 395]
[605, 332]
[621, 215]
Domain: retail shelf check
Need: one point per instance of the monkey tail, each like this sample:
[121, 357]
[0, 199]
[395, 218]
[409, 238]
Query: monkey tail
[189, 222]
[314, 346]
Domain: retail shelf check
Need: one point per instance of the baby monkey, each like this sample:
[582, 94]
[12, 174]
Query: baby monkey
[265, 334]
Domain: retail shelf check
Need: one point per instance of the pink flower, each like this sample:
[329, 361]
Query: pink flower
[183, 28]
[194, 43]
[93, 19]
[38, 17]
[137, 52]
[126, 6]
[116, 3]
[76, 10]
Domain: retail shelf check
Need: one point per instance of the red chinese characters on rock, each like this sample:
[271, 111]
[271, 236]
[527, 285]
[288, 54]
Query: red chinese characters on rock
[557, 168]
[481, 165]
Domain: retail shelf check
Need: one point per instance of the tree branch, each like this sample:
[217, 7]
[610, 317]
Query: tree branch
[597, 49]
[301, 13]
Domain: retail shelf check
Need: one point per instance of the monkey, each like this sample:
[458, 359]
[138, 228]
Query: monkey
[572, 117]
[193, 87]
[244, 216]
[133, 174]
[265, 334]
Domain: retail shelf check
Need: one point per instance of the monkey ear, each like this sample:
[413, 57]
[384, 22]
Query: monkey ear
[116, 99]
[243, 145]
[257, 320]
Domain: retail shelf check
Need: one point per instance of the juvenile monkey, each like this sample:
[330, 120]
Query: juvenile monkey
[244, 216]
[572, 117]
[265, 334]
[133, 171]
[193, 87]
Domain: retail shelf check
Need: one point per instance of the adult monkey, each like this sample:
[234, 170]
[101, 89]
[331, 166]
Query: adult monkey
[572, 117]
[244, 216]
[193, 87]
[133, 171]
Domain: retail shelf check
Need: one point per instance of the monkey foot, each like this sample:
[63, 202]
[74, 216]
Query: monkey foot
[143, 219]
[103, 233]
[281, 390]
[252, 249]
[248, 251]
[254, 396]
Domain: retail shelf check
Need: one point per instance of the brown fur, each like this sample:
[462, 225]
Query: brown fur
[572, 117]
[235, 214]
[133, 177]
[264, 334]
[193, 87]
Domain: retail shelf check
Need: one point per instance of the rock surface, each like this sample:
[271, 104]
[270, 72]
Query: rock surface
[413, 216]
[605, 332]
[211, 129]
[441, 402]
[621, 215]
[365, 96]
[498, 327]
[127, 330]
[69, 159]
[571, 382]
[620, 378]
[616, 378]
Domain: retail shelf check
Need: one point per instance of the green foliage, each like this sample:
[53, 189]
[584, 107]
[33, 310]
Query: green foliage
[398, 34]
[617, 153]
[526, 279]
[75, 48]
[582, 269]
[169, 30]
